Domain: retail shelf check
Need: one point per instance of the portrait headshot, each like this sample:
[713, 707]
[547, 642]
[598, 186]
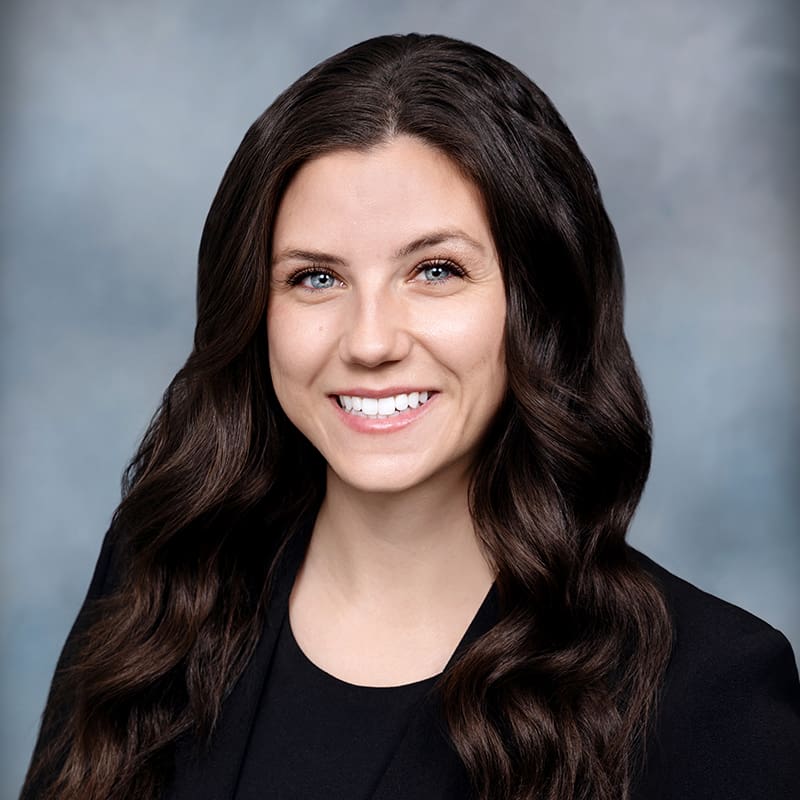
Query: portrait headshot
[400, 405]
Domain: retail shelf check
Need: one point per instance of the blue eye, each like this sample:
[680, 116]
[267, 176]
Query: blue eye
[439, 271]
[318, 280]
[314, 279]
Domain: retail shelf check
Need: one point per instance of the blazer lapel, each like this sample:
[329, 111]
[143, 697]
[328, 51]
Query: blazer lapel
[213, 775]
[425, 765]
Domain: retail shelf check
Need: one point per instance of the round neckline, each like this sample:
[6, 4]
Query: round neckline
[293, 643]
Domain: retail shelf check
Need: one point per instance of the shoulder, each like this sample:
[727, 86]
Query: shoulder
[107, 575]
[728, 722]
[706, 627]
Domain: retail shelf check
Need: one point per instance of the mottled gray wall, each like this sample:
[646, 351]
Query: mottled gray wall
[117, 122]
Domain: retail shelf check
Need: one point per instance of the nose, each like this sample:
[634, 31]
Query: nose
[375, 331]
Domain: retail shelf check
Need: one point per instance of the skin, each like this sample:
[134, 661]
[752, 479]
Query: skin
[394, 572]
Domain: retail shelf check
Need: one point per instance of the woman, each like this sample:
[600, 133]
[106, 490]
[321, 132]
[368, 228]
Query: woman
[373, 542]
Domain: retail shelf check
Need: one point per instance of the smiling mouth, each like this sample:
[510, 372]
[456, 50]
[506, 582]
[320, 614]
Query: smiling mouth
[381, 407]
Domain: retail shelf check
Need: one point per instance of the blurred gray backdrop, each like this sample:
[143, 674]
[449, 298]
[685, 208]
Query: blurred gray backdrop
[118, 120]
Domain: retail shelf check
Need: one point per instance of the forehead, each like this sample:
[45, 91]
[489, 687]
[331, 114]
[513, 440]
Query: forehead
[378, 198]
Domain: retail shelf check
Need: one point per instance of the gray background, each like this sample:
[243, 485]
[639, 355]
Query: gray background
[118, 120]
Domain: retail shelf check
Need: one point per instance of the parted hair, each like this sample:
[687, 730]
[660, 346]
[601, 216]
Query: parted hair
[555, 700]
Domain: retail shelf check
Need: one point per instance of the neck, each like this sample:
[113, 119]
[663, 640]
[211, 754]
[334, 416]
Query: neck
[414, 548]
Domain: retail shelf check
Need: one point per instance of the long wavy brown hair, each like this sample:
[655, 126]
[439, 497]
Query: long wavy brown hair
[554, 700]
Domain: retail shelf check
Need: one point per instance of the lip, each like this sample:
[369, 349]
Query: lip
[386, 425]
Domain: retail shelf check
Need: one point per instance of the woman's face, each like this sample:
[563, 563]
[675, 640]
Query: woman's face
[386, 290]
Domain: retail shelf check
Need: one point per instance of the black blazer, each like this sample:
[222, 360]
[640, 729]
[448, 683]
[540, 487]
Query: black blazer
[728, 726]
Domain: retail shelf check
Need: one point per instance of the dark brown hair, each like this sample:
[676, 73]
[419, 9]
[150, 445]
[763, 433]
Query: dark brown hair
[554, 700]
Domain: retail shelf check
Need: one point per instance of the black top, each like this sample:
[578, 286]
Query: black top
[317, 736]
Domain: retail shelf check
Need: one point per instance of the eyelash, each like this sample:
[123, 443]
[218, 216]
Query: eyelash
[296, 278]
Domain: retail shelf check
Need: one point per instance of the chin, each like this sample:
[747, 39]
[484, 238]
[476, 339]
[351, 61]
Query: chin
[376, 484]
[386, 480]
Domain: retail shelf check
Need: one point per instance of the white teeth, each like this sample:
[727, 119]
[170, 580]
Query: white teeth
[369, 405]
[382, 406]
[385, 406]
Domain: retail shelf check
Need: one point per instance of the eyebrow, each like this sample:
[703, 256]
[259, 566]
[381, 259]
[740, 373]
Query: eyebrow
[428, 240]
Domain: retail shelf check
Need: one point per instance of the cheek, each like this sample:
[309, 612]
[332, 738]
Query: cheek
[470, 340]
[283, 338]
[298, 349]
